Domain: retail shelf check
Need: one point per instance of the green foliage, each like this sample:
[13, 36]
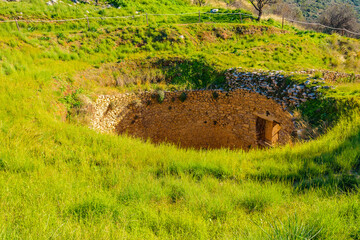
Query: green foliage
[118, 3]
[345, 183]
[215, 95]
[196, 72]
[328, 110]
[71, 101]
[160, 95]
[292, 229]
[183, 96]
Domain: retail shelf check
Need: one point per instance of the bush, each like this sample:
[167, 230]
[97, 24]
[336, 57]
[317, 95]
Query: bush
[118, 3]
[160, 95]
[340, 16]
[215, 95]
[183, 97]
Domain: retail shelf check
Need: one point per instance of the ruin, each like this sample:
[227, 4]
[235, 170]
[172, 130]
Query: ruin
[196, 119]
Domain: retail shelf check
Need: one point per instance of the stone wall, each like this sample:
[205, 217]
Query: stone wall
[275, 85]
[332, 76]
[199, 119]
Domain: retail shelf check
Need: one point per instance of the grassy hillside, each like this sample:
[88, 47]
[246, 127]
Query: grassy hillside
[61, 180]
[66, 8]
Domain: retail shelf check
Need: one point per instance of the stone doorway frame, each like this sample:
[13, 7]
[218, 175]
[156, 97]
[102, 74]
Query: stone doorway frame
[267, 130]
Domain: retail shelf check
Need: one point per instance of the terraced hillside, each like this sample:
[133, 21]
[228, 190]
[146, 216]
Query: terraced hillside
[60, 179]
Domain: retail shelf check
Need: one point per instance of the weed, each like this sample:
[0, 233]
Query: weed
[160, 96]
[293, 228]
[215, 95]
[183, 96]
[72, 101]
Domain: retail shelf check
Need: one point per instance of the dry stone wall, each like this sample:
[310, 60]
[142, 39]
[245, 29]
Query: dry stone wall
[332, 76]
[199, 119]
[274, 84]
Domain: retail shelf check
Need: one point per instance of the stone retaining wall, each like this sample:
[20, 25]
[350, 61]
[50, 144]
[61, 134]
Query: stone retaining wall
[274, 84]
[199, 119]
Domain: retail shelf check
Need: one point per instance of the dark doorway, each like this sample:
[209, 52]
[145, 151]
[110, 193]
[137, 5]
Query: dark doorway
[260, 130]
[267, 131]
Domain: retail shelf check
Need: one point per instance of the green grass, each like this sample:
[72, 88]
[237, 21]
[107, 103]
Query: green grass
[61, 180]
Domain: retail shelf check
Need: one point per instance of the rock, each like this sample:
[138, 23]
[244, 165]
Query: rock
[300, 87]
[270, 85]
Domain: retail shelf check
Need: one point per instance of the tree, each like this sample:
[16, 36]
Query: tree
[340, 16]
[259, 6]
[234, 3]
[288, 10]
[199, 2]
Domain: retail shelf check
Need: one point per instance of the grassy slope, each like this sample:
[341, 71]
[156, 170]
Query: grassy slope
[61, 180]
[67, 9]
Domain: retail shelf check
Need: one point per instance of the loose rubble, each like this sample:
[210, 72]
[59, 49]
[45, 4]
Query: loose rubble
[275, 85]
[331, 76]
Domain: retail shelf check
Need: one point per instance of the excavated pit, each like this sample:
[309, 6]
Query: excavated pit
[196, 119]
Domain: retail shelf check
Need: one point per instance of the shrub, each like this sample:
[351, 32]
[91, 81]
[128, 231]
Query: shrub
[215, 95]
[271, 21]
[160, 95]
[183, 97]
[118, 3]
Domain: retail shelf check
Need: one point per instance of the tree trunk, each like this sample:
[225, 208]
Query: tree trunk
[259, 16]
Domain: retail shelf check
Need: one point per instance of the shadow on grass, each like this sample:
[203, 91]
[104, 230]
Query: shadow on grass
[332, 171]
[197, 171]
[194, 73]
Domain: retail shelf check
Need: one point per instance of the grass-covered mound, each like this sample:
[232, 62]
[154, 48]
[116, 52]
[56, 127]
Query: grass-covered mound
[62, 180]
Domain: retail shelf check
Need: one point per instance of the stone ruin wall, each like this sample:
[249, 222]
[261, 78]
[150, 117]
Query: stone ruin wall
[200, 121]
[274, 84]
